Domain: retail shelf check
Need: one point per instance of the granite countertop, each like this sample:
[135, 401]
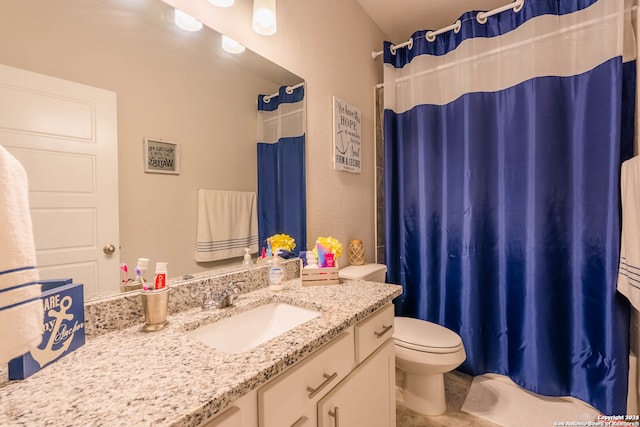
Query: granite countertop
[130, 377]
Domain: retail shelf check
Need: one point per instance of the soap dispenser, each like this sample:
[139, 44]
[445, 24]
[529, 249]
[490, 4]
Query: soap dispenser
[276, 275]
[247, 258]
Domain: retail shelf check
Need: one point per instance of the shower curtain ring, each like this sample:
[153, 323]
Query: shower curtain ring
[430, 36]
[518, 7]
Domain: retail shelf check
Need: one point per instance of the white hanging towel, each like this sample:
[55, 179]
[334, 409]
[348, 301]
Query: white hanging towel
[227, 223]
[629, 269]
[21, 313]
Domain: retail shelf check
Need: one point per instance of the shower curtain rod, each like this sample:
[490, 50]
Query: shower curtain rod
[632, 9]
[481, 17]
[289, 90]
[510, 47]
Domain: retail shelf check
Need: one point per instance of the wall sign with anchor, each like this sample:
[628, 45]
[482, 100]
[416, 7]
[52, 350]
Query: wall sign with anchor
[347, 140]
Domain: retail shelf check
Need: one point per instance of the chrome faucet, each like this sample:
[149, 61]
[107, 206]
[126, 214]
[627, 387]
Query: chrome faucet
[226, 298]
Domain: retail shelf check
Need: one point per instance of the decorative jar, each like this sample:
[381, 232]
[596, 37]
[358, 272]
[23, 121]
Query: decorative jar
[356, 252]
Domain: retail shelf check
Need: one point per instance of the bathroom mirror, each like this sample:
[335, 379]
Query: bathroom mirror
[170, 85]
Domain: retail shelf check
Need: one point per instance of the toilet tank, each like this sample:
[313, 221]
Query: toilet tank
[369, 272]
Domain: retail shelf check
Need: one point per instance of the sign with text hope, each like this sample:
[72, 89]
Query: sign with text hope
[63, 305]
[347, 141]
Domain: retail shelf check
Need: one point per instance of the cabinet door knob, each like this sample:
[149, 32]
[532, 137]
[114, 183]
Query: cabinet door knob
[385, 329]
[328, 378]
[335, 414]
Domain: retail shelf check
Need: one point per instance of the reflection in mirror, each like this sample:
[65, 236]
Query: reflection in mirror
[170, 85]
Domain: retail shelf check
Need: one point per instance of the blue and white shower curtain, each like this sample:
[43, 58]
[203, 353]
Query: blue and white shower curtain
[502, 157]
[281, 166]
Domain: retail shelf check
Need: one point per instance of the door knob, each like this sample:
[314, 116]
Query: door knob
[109, 249]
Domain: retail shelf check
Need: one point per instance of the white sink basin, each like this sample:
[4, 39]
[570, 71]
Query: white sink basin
[249, 329]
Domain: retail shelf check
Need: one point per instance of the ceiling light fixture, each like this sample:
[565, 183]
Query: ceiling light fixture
[231, 46]
[264, 17]
[187, 22]
[222, 3]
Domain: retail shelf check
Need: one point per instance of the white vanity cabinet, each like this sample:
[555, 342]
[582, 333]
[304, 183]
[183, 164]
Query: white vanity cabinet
[355, 373]
[366, 398]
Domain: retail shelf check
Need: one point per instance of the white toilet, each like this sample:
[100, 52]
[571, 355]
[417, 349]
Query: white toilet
[424, 352]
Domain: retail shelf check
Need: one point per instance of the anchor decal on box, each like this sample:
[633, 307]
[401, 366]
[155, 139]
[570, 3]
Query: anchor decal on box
[48, 354]
[63, 305]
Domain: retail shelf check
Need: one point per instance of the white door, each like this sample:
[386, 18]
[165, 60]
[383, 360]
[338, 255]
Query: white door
[65, 136]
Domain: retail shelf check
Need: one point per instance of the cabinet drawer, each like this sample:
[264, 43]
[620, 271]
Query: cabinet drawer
[371, 333]
[284, 400]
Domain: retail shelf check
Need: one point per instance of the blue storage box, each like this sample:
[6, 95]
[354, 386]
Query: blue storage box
[63, 305]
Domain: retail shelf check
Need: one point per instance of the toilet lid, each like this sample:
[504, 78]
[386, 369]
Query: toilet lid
[420, 335]
[362, 272]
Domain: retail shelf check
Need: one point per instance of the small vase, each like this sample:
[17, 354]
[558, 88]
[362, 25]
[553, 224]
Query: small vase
[356, 252]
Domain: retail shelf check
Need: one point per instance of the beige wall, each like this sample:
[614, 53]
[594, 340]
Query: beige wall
[329, 44]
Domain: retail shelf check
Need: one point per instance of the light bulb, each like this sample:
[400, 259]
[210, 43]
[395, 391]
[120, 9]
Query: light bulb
[186, 21]
[264, 17]
[231, 46]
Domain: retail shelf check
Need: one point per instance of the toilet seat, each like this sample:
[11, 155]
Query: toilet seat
[420, 335]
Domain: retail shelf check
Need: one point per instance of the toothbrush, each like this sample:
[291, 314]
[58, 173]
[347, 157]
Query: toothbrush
[139, 276]
[141, 267]
[124, 268]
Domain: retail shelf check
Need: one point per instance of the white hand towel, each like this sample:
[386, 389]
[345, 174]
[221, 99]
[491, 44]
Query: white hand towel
[21, 325]
[227, 223]
[21, 313]
[629, 269]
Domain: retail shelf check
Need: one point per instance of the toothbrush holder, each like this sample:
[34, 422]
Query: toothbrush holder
[155, 304]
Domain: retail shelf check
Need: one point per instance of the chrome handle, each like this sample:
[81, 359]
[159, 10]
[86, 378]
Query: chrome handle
[300, 421]
[328, 379]
[385, 329]
[207, 297]
[335, 414]
[109, 249]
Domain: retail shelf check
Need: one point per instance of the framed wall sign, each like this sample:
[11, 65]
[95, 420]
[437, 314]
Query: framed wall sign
[346, 137]
[161, 156]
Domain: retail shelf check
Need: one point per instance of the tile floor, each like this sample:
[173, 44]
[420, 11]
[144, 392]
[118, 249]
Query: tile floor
[456, 387]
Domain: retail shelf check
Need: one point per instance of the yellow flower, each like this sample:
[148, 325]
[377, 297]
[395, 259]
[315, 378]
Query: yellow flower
[282, 241]
[335, 247]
